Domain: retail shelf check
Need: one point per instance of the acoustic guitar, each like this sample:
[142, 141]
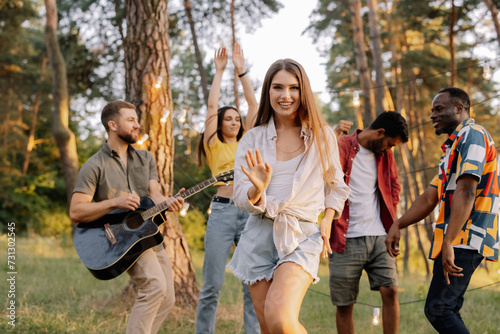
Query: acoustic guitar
[110, 245]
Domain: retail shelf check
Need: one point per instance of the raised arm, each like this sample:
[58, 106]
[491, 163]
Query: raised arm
[220, 60]
[248, 91]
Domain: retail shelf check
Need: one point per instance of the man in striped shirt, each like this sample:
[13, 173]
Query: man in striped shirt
[466, 189]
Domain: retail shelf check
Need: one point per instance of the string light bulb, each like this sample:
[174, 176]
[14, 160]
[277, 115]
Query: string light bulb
[209, 211]
[159, 81]
[143, 139]
[164, 118]
[355, 99]
[184, 209]
[182, 119]
[486, 71]
[376, 316]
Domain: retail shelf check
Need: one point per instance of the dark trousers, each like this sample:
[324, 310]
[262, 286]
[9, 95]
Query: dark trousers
[443, 304]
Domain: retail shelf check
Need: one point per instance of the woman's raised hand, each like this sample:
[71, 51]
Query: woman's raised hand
[220, 58]
[259, 173]
[238, 59]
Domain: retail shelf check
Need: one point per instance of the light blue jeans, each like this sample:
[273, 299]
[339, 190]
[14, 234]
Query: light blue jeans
[224, 226]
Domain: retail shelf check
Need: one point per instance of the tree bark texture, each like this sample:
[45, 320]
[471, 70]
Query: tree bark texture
[65, 139]
[147, 59]
[197, 52]
[494, 16]
[361, 61]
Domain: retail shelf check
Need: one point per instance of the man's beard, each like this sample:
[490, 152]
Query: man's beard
[128, 138]
[439, 131]
[376, 145]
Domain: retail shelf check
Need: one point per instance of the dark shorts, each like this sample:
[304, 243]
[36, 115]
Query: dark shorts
[367, 253]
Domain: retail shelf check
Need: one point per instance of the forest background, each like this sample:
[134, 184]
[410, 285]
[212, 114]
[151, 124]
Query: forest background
[60, 62]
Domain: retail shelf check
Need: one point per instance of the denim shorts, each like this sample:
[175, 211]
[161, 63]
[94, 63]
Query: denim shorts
[367, 253]
[256, 257]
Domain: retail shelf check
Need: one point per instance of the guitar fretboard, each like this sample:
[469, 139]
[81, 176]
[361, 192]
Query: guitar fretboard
[199, 187]
[189, 192]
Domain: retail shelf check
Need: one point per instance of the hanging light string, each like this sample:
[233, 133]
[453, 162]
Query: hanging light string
[487, 74]
[403, 303]
[419, 170]
[392, 85]
[472, 105]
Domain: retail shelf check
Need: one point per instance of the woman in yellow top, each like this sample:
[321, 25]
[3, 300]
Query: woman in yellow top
[223, 129]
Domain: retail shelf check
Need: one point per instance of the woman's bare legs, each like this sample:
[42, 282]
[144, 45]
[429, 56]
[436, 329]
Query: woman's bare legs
[277, 303]
[258, 291]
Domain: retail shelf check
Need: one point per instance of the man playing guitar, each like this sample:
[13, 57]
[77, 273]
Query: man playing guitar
[116, 177]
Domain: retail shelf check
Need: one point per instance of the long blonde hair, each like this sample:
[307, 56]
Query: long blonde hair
[308, 112]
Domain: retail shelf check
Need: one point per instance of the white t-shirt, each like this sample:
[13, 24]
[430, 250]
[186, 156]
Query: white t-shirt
[281, 181]
[364, 203]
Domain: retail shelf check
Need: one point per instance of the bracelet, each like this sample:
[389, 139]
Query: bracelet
[242, 74]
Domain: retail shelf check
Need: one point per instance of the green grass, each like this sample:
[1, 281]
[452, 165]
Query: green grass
[56, 294]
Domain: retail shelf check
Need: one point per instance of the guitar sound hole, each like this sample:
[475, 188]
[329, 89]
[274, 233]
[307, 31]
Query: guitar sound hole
[134, 221]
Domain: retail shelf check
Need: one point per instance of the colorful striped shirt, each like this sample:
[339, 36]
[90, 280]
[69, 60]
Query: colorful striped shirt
[469, 150]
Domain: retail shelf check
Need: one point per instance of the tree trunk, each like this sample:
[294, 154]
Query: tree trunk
[361, 61]
[19, 121]
[410, 195]
[470, 82]
[419, 177]
[147, 57]
[235, 77]
[34, 115]
[453, 66]
[197, 52]
[119, 19]
[377, 55]
[6, 125]
[65, 139]
[422, 250]
[494, 16]
[396, 66]
[406, 232]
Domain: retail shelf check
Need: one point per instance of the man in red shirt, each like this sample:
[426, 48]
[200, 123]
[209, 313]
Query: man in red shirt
[358, 237]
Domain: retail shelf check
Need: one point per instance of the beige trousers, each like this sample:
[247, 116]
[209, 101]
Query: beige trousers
[153, 275]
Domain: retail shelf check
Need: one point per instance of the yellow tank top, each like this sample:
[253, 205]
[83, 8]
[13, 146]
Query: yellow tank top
[220, 157]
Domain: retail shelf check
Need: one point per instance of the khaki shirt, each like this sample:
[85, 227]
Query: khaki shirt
[103, 176]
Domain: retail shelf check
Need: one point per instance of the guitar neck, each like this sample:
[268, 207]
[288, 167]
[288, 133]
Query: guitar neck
[188, 193]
